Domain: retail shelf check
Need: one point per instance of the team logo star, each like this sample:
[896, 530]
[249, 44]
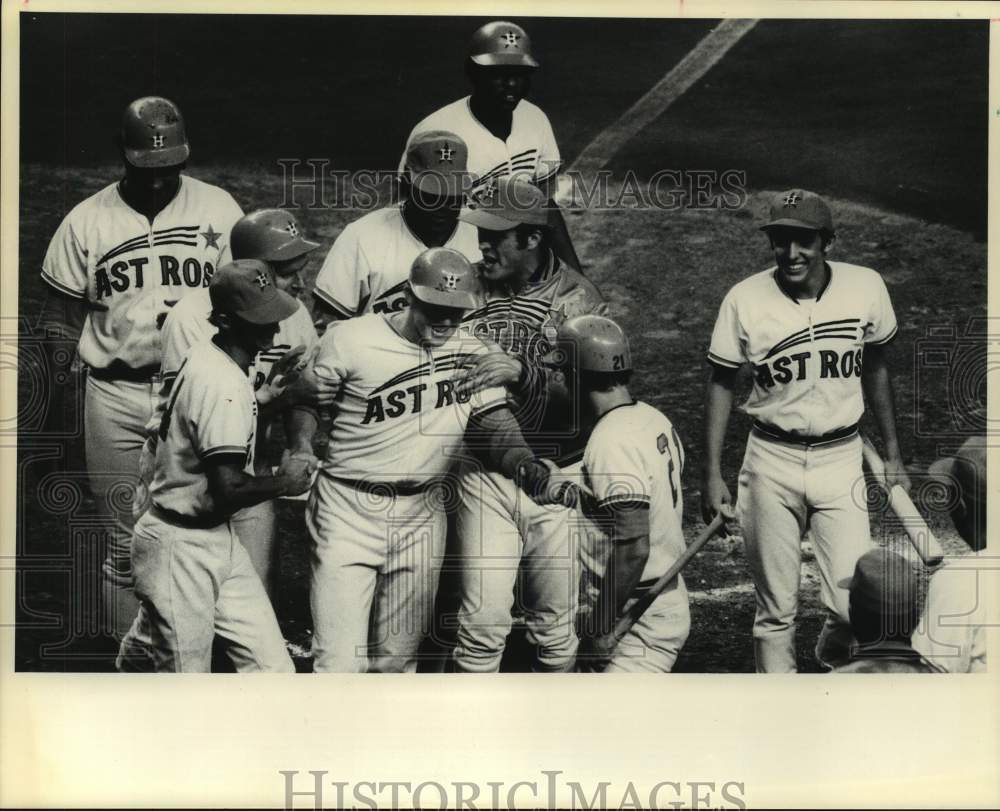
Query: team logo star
[792, 198]
[446, 152]
[510, 39]
[292, 229]
[211, 237]
[262, 281]
[450, 281]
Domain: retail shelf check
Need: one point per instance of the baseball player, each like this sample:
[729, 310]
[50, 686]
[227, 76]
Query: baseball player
[506, 133]
[275, 237]
[116, 264]
[377, 511]
[883, 607]
[528, 293]
[632, 466]
[952, 634]
[193, 576]
[814, 333]
[368, 266]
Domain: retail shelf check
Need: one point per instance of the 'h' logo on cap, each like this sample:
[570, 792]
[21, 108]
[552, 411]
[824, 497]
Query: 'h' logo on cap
[292, 229]
[792, 198]
[262, 280]
[450, 281]
[157, 140]
[446, 152]
[510, 38]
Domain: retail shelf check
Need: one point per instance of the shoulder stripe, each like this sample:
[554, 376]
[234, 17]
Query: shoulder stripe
[329, 300]
[718, 360]
[239, 450]
[887, 339]
[128, 244]
[488, 408]
[618, 498]
[62, 288]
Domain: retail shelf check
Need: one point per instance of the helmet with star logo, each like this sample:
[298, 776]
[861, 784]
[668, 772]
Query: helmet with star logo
[590, 343]
[153, 134]
[271, 234]
[444, 277]
[501, 43]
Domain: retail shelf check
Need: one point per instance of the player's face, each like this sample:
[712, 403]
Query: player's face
[798, 253]
[503, 258]
[435, 214]
[433, 324]
[154, 186]
[254, 337]
[501, 87]
[288, 275]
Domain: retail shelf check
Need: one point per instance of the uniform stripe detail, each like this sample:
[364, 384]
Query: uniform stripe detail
[143, 239]
[827, 329]
[618, 498]
[887, 339]
[443, 364]
[62, 288]
[392, 291]
[490, 407]
[718, 360]
[225, 449]
[330, 301]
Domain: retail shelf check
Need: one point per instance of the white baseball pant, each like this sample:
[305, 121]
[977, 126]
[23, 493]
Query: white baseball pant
[376, 560]
[115, 416]
[785, 489]
[502, 531]
[194, 584]
[653, 643]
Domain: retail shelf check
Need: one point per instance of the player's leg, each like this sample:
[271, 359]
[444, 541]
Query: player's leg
[771, 512]
[116, 414]
[654, 642]
[840, 535]
[403, 610]
[347, 554]
[490, 546]
[245, 619]
[551, 583]
[177, 573]
[256, 528]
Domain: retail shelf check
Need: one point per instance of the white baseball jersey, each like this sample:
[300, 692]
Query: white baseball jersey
[635, 455]
[530, 149]
[398, 418]
[188, 324]
[369, 264]
[211, 412]
[806, 354]
[130, 270]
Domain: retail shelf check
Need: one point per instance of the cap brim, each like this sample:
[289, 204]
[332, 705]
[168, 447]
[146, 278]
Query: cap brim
[484, 218]
[493, 60]
[293, 249]
[788, 222]
[277, 308]
[157, 158]
[460, 300]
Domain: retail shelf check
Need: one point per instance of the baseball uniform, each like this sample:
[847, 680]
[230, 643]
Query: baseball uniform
[193, 577]
[529, 150]
[499, 531]
[376, 518]
[803, 456]
[634, 456]
[952, 631]
[129, 272]
[368, 266]
[187, 324]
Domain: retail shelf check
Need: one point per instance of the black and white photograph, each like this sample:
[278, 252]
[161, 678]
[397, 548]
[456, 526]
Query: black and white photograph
[499, 344]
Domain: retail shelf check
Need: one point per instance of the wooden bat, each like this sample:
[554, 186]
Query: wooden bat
[638, 608]
[919, 533]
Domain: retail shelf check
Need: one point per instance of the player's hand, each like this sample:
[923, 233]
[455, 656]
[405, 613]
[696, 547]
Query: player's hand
[284, 372]
[895, 473]
[542, 481]
[313, 390]
[596, 652]
[716, 499]
[297, 469]
[495, 368]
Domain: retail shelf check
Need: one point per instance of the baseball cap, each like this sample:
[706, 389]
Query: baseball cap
[798, 208]
[245, 288]
[153, 133]
[444, 277]
[437, 162]
[884, 583]
[505, 203]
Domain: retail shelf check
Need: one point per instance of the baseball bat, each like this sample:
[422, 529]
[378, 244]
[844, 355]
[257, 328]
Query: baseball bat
[638, 608]
[916, 528]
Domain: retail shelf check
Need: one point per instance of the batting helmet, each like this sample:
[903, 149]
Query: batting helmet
[501, 43]
[443, 276]
[597, 343]
[153, 133]
[270, 234]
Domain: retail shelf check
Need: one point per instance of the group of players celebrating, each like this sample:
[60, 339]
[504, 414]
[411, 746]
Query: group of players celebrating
[475, 395]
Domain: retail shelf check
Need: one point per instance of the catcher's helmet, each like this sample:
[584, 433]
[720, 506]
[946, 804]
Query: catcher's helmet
[444, 277]
[597, 343]
[501, 43]
[270, 234]
[153, 133]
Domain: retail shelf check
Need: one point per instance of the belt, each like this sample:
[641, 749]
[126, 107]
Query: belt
[386, 488]
[120, 371]
[773, 432]
[208, 521]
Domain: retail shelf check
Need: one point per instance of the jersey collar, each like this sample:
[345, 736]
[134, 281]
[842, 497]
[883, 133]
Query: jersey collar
[614, 408]
[826, 284]
[546, 270]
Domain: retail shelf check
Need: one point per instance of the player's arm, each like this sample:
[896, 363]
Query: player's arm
[719, 396]
[877, 384]
[340, 290]
[231, 486]
[59, 325]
